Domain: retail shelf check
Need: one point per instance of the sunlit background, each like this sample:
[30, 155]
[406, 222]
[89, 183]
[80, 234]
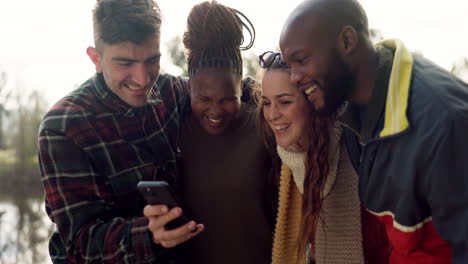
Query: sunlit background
[42, 57]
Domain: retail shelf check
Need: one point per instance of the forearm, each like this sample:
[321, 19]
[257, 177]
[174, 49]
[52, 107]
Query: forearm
[93, 226]
[115, 241]
[92, 232]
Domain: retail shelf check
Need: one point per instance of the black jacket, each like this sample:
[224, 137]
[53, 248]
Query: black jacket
[416, 178]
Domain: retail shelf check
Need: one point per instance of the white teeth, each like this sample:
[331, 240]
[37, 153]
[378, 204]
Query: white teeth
[214, 120]
[133, 87]
[281, 127]
[309, 90]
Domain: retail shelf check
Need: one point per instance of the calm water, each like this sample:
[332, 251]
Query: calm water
[24, 225]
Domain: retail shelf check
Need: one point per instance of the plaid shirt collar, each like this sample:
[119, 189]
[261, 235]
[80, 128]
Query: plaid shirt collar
[114, 103]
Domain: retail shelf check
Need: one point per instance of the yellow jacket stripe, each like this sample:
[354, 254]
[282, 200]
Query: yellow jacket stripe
[396, 120]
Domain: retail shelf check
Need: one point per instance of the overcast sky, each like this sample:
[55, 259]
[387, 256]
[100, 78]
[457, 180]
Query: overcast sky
[42, 43]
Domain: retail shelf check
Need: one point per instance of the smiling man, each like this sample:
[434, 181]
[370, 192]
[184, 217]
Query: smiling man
[405, 126]
[117, 128]
[129, 69]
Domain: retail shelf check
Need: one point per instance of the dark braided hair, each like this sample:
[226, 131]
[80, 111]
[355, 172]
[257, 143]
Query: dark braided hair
[214, 37]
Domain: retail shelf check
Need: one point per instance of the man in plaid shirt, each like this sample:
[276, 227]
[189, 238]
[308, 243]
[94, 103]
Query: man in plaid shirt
[117, 128]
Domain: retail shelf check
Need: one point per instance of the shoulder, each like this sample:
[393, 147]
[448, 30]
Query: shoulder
[436, 96]
[167, 83]
[437, 87]
[438, 110]
[77, 105]
[173, 91]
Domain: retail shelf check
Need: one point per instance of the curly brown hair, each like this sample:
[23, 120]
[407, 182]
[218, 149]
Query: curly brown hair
[318, 131]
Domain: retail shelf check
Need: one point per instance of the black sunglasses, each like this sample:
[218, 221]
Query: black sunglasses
[267, 59]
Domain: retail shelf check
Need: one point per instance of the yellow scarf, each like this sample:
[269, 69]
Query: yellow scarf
[288, 222]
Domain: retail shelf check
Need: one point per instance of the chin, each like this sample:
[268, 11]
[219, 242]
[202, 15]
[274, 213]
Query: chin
[290, 144]
[214, 132]
[284, 144]
[138, 104]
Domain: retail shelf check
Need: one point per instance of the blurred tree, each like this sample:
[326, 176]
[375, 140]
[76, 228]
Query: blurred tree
[250, 61]
[177, 53]
[460, 69]
[4, 97]
[19, 136]
[376, 35]
[26, 120]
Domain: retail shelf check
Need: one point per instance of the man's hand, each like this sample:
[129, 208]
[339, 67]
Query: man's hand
[159, 216]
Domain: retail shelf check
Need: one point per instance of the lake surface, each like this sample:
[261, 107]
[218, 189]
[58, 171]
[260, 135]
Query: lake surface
[24, 226]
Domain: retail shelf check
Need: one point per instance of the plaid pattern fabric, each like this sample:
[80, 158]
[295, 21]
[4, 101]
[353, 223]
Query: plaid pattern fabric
[93, 149]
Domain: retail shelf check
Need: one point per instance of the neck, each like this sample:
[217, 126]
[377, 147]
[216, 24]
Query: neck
[366, 72]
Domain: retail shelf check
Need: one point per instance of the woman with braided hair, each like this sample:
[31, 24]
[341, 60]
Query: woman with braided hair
[224, 181]
[224, 163]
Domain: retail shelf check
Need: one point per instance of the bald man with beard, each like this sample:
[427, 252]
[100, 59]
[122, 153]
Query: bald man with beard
[405, 121]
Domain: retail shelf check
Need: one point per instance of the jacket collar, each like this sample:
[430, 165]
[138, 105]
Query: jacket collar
[395, 119]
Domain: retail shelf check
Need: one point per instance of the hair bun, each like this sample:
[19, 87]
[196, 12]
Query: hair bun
[212, 25]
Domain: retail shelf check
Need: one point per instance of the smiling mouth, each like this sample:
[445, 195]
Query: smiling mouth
[314, 86]
[281, 128]
[214, 122]
[135, 89]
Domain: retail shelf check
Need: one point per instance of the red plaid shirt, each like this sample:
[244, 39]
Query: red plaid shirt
[93, 149]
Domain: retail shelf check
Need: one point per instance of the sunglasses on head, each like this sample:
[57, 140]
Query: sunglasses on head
[267, 59]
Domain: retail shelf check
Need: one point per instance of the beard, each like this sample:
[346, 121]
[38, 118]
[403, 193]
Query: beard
[338, 84]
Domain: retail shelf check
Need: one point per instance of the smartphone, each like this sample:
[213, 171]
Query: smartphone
[159, 192]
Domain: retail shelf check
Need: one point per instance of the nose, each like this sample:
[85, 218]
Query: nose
[274, 112]
[141, 75]
[216, 110]
[296, 76]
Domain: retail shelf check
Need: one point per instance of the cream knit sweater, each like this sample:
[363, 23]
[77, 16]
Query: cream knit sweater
[339, 236]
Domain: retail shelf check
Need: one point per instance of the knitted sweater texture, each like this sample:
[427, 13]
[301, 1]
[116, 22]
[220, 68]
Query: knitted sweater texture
[339, 234]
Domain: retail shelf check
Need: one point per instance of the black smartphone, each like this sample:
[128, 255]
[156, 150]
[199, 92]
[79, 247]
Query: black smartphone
[159, 192]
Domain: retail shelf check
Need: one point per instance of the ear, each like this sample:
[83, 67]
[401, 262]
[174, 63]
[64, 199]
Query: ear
[95, 57]
[347, 40]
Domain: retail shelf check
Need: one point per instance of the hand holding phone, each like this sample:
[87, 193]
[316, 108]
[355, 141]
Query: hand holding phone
[159, 192]
[165, 217]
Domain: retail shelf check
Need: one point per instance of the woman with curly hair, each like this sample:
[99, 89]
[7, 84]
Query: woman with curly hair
[320, 217]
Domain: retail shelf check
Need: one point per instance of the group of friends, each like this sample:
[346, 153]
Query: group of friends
[341, 151]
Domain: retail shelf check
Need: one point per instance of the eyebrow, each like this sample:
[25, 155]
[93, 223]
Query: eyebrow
[157, 56]
[279, 95]
[229, 97]
[294, 54]
[123, 59]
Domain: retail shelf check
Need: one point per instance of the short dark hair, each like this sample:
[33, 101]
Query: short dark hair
[116, 21]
